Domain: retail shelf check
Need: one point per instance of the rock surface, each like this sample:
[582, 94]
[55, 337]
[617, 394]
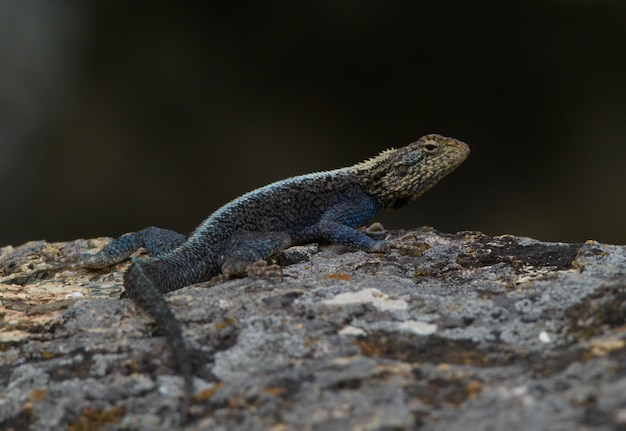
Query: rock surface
[478, 333]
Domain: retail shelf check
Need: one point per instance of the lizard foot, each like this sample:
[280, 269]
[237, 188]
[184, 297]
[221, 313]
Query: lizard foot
[408, 245]
[260, 269]
[218, 279]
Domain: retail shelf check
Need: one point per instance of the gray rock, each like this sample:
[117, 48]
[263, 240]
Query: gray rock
[478, 333]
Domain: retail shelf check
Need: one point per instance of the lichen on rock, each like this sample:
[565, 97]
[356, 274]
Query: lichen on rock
[479, 332]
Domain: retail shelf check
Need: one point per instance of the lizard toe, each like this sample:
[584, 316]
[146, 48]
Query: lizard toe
[260, 269]
[408, 245]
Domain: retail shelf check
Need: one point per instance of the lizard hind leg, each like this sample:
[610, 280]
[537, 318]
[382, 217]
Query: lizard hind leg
[246, 251]
[158, 241]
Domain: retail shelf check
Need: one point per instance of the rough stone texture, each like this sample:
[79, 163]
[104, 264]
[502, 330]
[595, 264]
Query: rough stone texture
[479, 333]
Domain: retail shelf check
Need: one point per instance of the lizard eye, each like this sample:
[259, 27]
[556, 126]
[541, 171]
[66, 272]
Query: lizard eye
[402, 171]
[431, 147]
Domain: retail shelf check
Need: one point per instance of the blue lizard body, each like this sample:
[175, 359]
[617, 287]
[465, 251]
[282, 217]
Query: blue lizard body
[327, 206]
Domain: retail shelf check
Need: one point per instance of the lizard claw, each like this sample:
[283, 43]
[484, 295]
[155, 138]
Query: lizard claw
[408, 245]
[260, 269]
[382, 246]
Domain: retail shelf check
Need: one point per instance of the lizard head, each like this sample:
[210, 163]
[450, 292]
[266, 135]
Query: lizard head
[398, 176]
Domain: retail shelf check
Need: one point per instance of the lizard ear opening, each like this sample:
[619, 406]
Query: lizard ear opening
[401, 170]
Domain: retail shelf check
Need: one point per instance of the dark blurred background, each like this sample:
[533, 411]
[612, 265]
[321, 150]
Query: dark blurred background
[116, 115]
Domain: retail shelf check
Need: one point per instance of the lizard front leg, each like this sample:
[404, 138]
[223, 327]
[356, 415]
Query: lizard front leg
[337, 232]
[338, 224]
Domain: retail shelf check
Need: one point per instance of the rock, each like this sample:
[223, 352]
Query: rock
[478, 333]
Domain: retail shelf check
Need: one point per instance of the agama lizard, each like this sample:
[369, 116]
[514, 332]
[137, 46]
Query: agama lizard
[326, 206]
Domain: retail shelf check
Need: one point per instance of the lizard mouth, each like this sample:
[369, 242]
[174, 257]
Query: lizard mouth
[464, 151]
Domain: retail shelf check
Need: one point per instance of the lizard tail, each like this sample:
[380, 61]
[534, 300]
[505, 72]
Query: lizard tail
[142, 290]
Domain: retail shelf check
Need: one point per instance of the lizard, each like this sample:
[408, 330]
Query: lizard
[327, 206]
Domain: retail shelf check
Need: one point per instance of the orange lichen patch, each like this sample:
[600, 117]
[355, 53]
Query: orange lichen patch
[28, 408]
[442, 368]
[338, 276]
[38, 395]
[275, 390]
[473, 388]
[225, 323]
[311, 341]
[94, 420]
[369, 347]
[234, 401]
[207, 394]
[411, 348]
[397, 369]
[604, 347]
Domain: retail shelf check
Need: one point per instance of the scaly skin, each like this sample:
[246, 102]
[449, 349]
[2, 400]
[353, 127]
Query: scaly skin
[327, 206]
